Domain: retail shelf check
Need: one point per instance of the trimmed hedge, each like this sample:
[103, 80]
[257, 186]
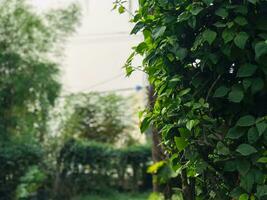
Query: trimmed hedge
[92, 166]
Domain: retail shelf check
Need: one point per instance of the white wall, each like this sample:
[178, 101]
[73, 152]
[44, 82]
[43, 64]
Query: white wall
[99, 49]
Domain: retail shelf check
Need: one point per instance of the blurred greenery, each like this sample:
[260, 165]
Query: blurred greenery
[89, 166]
[114, 196]
[98, 116]
[29, 87]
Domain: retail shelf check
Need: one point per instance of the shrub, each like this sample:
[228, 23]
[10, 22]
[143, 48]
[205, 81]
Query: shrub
[15, 158]
[94, 166]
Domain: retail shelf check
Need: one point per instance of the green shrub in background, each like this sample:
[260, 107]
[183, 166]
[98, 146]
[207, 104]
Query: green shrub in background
[31, 183]
[92, 166]
[15, 158]
[206, 60]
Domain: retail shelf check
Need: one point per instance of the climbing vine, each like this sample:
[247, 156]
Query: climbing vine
[206, 60]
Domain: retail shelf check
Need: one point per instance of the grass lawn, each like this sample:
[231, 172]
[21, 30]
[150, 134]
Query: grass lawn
[114, 196]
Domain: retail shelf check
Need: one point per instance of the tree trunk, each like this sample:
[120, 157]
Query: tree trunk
[157, 150]
[188, 186]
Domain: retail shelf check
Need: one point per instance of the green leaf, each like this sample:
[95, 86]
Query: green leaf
[208, 2]
[244, 197]
[181, 143]
[166, 129]
[236, 95]
[235, 133]
[230, 166]
[129, 70]
[247, 120]
[222, 149]
[262, 160]
[121, 9]
[222, 12]
[246, 149]
[258, 176]
[241, 9]
[183, 17]
[261, 127]
[184, 92]
[181, 53]
[196, 9]
[247, 182]
[247, 83]
[185, 133]
[145, 124]
[257, 85]
[228, 35]
[253, 135]
[141, 48]
[236, 192]
[209, 36]
[192, 22]
[243, 166]
[219, 24]
[170, 57]
[247, 70]
[191, 124]
[221, 91]
[158, 32]
[153, 169]
[253, 1]
[241, 21]
[260, 49]
[261, 191]
[241, 40]
[198, 42]
[137, 28]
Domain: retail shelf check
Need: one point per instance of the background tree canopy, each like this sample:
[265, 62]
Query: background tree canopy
[29, 82]
[206, 60]
[99, 117]
[28, 85]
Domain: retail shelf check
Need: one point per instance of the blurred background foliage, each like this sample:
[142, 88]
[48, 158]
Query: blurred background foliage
[54, 146]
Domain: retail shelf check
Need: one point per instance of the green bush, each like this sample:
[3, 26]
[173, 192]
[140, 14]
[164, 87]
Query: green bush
[94, 166]
[15, 158]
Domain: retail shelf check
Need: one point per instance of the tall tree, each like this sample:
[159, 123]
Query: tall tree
[29, 77]
[28, 82]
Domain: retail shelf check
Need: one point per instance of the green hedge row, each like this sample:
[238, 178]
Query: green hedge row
[92, 166]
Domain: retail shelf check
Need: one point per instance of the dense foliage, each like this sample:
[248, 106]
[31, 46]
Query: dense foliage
[207, 62]
[90, 166]
[15, 158]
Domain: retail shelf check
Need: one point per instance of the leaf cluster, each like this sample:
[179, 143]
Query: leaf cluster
[206, 60]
